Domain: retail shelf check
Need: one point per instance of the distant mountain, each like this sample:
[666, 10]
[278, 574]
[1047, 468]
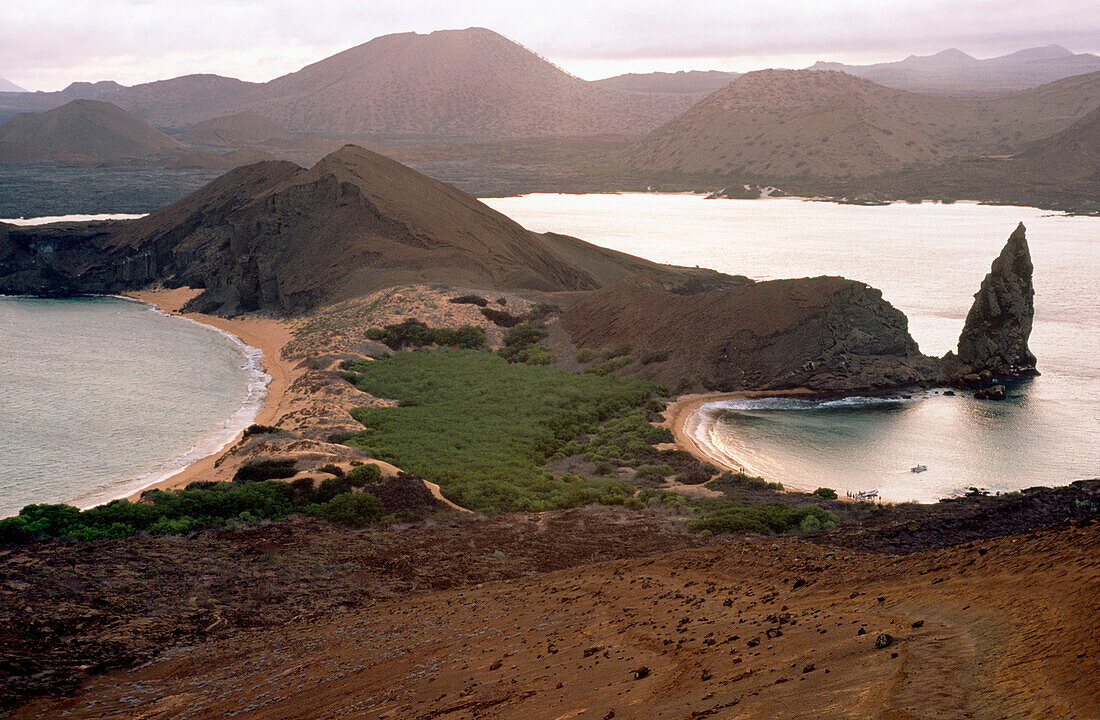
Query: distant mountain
[953, 72]
[9, 86]
[178, 102]
[806, 123]
[82, 131]
[243, 128]
[457, 83]
[686, 82]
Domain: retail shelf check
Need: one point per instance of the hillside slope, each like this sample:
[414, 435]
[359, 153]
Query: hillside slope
[83, 130]
[276, 237]
[786, 123]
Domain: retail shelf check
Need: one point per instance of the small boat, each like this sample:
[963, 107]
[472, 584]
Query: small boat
[918, 468]
[867, 495]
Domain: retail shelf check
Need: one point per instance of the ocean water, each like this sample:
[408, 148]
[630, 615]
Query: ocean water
[929, 261]
[102, 396]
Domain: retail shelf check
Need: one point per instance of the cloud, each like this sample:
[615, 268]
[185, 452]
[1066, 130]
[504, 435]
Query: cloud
[45, 44]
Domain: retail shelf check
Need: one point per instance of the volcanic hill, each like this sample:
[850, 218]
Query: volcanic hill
[82, 130]
[276, 237]
[826, 124]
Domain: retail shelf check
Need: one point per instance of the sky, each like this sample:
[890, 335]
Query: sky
[46, 44]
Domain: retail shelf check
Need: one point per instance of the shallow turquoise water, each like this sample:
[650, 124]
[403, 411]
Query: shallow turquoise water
[929, 261]
[101, 396]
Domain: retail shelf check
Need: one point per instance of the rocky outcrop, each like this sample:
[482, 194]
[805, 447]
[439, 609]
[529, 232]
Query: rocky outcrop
[827, 334]
[994, 338]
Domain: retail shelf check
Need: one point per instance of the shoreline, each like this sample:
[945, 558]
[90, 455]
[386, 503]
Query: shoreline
[683, 418]
[267, 335]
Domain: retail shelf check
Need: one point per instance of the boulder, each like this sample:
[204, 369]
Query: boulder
[996, 392]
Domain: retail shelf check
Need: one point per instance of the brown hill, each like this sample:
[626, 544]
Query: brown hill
[243, 128]
[786, 123]
[1070, 156]
[277, 237]
[470, 82]
[824, 333]
[688, 82]
[953, 72]
[83, 130]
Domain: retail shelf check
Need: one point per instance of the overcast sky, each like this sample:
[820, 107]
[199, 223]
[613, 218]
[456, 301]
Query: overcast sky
[46, 44]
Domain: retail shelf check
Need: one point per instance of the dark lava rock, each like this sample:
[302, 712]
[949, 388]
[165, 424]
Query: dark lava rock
[809, 668]
[997, 392]
[641, 672]
[884, 640]
[917, 624]
[862, 631]
[994, 338]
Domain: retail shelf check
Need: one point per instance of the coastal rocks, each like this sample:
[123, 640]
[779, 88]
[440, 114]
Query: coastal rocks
[993, 343]
[996, 392]
[828, 334]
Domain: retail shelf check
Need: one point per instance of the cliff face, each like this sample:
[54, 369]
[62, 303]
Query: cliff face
[828, 334]
[995, 335]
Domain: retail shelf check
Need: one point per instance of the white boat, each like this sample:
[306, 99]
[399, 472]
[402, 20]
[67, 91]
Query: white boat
[918, 468]
[867, 495]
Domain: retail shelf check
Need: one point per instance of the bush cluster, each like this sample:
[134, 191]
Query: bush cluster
[469, 300]
[413, 333]
[483, 428]
[179, 511]
[521, 344]
[266, 469]
[763, 519]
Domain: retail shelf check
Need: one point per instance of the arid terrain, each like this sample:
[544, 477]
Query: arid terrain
[577, 615]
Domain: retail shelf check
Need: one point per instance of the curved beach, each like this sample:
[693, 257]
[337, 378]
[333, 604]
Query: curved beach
[266, 335]
[691, 417]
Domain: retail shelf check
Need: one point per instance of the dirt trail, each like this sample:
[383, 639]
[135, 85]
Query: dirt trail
[750, 628]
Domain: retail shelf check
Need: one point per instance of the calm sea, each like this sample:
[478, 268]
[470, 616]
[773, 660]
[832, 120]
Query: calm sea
[102, 396]
[929, 261]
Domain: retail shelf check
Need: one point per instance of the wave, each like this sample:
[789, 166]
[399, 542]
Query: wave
[253, 403]
[47, 220]
[789, 403]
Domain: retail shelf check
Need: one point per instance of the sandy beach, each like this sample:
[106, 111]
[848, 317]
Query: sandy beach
[684, 417]
[266, 334]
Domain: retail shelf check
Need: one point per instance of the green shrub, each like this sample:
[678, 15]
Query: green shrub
[413, 333]
[363, 475]
[655, 357]
[483, 428]
[764, 519]
[586, 355]
[609, 366]
[521, 345]
[268, 469]
[353, 509]
[261, 430]
[826, 493]
[332, 469]
[330, 488]
[542, 310]
[502, 318]
[652, 472]
[469, 300]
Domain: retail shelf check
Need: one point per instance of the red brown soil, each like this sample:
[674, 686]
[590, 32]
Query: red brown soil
[745, 627]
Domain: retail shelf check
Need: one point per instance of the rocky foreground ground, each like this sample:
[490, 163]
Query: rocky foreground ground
[593, 613]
